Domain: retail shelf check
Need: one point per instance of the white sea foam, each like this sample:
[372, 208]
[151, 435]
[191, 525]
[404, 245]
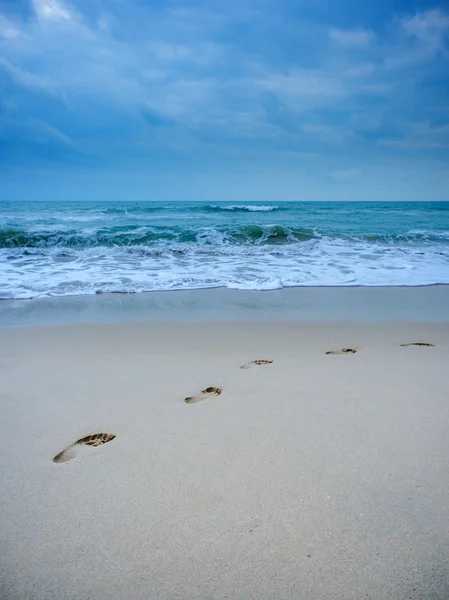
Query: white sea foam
[247, 207]
[324, 262]
[57, 251]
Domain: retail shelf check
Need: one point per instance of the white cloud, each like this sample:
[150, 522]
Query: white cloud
[427, 25]
[175, 68]
[303, 87]
[419, 39]
[52, 10]
[163, 72]
[46, 132]
[7, 29]
[356, 37]
[27, 79]
[199, 53]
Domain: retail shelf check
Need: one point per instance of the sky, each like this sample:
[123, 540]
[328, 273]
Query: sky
[236, 100]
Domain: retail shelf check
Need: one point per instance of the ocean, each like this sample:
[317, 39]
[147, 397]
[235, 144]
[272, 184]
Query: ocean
[63, 249]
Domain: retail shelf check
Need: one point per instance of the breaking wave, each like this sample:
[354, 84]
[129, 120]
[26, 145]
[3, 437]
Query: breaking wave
[55, 249]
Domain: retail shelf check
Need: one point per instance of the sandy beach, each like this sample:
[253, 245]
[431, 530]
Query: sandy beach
[224, 300]
[313, 477]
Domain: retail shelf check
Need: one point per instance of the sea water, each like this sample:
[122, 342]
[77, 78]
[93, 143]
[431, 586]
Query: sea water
[61, 249]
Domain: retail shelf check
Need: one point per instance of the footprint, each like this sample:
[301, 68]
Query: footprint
[204, 395]
[96, 439]
[418, 344]
[343, 351]
[256, 362]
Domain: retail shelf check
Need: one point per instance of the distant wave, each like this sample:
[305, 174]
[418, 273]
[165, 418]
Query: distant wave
[186, 208]
[240, 207]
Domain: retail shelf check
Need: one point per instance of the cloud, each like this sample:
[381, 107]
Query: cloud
[7, 29]
[303, 83]
[27, 79]
[47, 133]
[431, 26]
[131, 82]
[52, 10]
[354, 38]
[420, 38]
[420, 136]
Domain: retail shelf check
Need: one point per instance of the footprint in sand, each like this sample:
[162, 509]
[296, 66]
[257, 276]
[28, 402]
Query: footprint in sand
[204, 395]
[96, 439]
[419, 344]
[343, 351]
[256, 362]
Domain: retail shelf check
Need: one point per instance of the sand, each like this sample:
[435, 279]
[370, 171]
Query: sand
[314, 477]
[312, 304]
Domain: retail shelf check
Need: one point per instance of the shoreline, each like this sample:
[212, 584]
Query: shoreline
[355, 303]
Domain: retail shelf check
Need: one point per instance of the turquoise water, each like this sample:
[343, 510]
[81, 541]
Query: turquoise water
[59, 249]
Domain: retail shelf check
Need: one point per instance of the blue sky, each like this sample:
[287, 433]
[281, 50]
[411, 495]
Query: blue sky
[236, 100]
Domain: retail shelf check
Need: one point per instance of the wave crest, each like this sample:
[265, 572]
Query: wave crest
[240, 208]
[149, 236]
